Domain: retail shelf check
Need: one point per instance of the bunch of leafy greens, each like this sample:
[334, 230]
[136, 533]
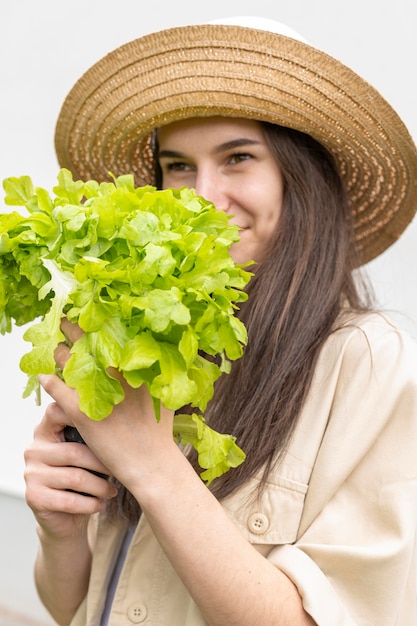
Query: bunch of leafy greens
[148, 277]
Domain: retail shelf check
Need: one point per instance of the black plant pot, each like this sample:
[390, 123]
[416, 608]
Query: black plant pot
[72, 435]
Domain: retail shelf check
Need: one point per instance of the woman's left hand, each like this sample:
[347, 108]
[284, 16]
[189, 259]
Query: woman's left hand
[130, 441]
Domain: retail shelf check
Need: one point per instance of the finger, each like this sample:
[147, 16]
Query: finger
[65, 467]
[71, 331]
[74, 479]
[64, 396]
[62, 354]
[52, 425]
[64, 455]
[80, 481]
[45, 501]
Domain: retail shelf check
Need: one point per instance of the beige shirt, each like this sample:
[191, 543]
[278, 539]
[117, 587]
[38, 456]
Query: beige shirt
[338, 515]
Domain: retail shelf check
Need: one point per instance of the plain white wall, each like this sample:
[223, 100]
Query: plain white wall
[46, 45]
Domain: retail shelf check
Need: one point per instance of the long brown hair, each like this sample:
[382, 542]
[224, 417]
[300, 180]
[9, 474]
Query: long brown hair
[300, 285]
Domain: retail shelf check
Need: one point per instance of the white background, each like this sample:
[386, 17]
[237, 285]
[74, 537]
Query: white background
[45, 45]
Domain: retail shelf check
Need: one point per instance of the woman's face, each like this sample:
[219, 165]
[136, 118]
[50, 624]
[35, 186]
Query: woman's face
[229, 162]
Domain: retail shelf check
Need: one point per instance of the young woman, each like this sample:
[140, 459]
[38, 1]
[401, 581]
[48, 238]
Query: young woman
[318, 525]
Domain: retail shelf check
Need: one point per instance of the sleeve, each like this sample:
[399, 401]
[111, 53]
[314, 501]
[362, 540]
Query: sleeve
[80, 617]
[354, 559]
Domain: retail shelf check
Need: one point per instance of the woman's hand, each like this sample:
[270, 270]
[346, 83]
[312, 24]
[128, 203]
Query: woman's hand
[53, 467]
[56, 470]
[130, 442]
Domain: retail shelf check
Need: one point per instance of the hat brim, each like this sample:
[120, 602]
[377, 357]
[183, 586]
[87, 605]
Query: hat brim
[107, 119]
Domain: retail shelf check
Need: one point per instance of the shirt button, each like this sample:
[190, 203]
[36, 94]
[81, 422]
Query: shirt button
[258, 523]
[137, 612]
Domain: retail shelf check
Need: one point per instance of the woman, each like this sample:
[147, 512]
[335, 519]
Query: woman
[318, 525]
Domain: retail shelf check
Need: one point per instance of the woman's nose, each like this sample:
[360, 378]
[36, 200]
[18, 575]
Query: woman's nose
[211, 187]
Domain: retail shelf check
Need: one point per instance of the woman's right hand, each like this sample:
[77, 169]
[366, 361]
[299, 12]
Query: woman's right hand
[55, 471]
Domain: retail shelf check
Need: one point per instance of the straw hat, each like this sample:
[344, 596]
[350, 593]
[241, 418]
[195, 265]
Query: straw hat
[107, 119]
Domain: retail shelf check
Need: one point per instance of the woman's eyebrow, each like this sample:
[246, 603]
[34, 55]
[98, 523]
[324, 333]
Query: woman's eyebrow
[170, 154]
[235, 143]
[223, 147]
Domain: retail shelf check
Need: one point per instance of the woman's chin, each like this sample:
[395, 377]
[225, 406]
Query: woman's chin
[242, 252]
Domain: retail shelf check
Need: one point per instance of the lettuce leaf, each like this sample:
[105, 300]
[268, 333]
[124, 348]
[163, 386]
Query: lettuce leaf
[147, 274]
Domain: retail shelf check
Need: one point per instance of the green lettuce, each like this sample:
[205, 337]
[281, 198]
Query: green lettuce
[147, 275]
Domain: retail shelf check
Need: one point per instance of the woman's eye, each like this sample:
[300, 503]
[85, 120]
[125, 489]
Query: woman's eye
[238, 157]
[175, 166]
